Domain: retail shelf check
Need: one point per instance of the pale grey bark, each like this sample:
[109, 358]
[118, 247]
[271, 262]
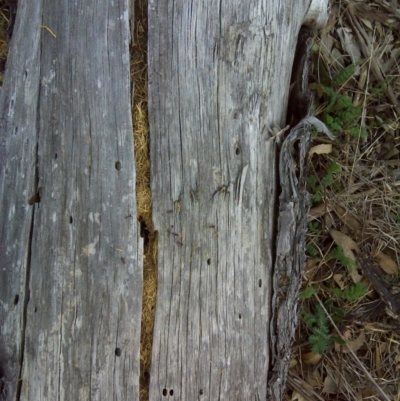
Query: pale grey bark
[70, 252]
[219, 76]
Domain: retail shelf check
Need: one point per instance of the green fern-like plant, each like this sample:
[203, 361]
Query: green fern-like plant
[342, 76]
[338, 254]
[307, 293]
[340, 115]
[318, 324]
[311, 250]
[316, 186]
[352, 293]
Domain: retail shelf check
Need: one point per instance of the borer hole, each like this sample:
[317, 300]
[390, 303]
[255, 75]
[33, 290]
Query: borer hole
[165, 392]
[55, 155]
[209, 261]
[201, 392]
[118, 351]
[237, 151]
[260, 283]
[240, 315]
[16, 299]
[70, 219]
[171, 392]
[35, 309]
[118, 165]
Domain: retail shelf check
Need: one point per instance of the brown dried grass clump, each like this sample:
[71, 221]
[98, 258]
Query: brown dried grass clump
[143, 191]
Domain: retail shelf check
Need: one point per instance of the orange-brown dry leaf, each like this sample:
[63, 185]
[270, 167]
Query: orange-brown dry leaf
[387, 264]
[309, 358]
[348, 219]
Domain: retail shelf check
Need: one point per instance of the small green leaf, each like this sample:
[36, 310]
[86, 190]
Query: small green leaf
[307, 293]
[338, 340]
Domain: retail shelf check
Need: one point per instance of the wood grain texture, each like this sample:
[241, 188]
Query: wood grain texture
[219, 77]
[70, 252]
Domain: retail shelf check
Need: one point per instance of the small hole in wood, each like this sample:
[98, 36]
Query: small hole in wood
[165, 392]
[25, 74]
[260, 283]
[209, 261]
[118, 165]
[240, 315]
[201, 392]
[55, 155]
[118, 351]
[16, 299]
[35, 309]
[70, 220]
[237, 151]
[171, 392]
[15, 130]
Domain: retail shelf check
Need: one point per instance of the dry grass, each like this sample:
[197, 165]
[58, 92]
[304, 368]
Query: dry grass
[143, 191]
[359, 210]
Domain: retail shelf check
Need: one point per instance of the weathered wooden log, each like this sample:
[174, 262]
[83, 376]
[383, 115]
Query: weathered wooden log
[229, 249]
[70, 252]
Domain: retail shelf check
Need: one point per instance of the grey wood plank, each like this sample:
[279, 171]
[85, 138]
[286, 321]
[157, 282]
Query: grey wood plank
[219, 77]
[69, 246]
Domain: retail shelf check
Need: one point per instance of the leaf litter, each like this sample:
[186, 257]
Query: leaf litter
[356, 215]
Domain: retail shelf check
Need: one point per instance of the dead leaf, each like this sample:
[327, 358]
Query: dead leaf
[309, 358]
[379, 350]
[344, 241]
[367, 393]
[363, 10]
[318, 211]
[350, 45]
[353, 345]
[322, 149]
[348, 245]
[297, 396]
[338, 278]
[348, 219]
[387, 264]
[330, 386]
[329, 221]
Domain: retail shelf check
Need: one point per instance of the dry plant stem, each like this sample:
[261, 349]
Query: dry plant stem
[301, 387]
[363, 41]
[372, 380]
